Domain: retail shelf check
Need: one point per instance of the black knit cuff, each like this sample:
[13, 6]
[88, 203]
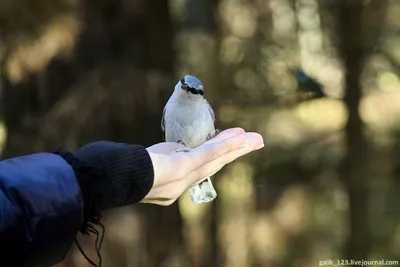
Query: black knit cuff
[122, 174]
[128, 172]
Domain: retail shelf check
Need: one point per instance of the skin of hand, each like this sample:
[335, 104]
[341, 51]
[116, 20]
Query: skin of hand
[175, 173]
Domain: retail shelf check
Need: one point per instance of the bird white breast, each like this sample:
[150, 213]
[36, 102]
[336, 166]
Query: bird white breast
[189, 121]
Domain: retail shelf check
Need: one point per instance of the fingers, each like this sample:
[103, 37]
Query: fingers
[168, 147]
[210, 152]
[216, 149]
[217, 164]
[226, 134]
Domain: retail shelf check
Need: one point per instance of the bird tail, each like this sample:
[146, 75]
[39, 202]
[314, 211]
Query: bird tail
[203, 192]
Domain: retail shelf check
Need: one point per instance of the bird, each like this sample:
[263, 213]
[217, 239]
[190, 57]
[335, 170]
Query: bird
[308, 85]
[189, 119]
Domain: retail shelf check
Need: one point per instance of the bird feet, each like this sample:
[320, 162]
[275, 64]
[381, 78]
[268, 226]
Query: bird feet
[181, 142]
[182, 149]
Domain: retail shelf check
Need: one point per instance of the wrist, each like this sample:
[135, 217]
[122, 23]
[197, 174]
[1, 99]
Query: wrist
[169, 183]
[127, 175]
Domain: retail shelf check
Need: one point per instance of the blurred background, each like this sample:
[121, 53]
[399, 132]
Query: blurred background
[319, 79]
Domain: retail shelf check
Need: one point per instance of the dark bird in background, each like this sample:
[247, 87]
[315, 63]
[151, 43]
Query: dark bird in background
[307, 86]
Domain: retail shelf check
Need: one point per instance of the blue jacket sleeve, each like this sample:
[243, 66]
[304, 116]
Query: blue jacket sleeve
[41, 210]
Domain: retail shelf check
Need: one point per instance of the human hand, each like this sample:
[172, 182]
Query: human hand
[174, 173]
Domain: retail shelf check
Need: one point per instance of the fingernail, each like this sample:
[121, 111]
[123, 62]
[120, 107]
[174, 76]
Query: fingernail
[259, 146]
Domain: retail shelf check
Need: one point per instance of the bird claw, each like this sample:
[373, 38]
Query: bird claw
[181, 142]
[182, 150]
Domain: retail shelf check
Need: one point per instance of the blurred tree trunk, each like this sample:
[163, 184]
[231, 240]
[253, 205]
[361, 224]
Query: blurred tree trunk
[113, 87]
[355, 174]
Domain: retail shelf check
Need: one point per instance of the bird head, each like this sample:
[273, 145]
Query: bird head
[190, 86]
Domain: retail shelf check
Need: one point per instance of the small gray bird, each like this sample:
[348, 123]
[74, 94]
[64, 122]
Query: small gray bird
[189, 119]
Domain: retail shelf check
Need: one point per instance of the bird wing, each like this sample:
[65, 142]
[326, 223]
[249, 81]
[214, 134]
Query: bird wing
[211, 111]
[163, 120]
